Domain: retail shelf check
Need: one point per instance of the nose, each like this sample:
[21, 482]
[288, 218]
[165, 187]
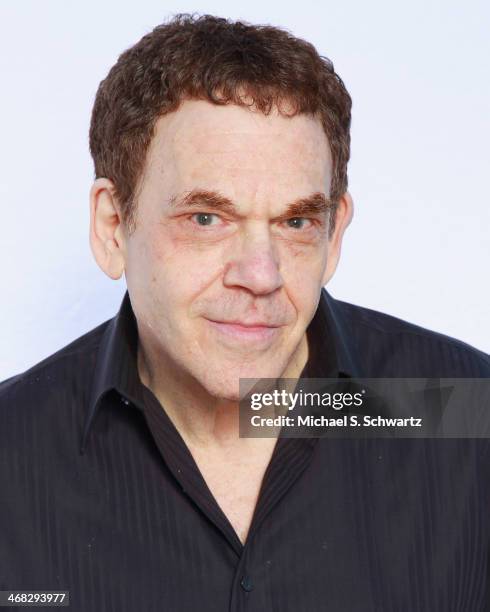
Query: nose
[254, 264]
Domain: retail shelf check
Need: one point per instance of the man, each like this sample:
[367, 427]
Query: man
[220, 154]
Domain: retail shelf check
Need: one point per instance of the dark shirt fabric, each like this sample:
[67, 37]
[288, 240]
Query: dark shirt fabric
[101, 497]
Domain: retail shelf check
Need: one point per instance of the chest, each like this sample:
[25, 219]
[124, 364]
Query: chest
[235, 480]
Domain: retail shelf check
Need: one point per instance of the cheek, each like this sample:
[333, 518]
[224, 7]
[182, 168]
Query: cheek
[302, 266]
[180, 267]
[302, 271]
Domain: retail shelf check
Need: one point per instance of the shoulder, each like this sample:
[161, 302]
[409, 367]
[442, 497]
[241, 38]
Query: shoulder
[67, 371]
[402, 348]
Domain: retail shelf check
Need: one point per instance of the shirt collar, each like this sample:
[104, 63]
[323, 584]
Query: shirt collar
[116, 365]
[331, 348]
[334, 319]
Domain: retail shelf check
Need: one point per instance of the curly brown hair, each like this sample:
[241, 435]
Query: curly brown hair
[224, 62]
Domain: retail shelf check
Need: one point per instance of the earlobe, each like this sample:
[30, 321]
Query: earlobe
[106, 241]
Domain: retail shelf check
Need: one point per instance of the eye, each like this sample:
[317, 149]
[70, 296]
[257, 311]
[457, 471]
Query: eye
[298, 223]
[205, 219]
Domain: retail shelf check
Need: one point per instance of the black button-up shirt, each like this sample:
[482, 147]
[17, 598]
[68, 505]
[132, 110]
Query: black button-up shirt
[100, 495]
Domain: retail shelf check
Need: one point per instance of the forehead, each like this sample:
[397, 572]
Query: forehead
[238, 151]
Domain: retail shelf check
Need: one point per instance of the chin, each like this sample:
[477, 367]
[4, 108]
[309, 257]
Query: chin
[224, 390]
[227, 387]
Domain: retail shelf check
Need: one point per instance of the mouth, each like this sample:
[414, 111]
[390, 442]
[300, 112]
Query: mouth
[251, 331]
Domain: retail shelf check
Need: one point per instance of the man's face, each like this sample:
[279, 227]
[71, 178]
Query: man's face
[224, 276]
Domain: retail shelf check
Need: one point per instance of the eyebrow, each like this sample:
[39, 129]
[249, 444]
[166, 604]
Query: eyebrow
[314, 204]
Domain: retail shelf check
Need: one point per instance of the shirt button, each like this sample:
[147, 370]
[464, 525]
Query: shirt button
[125, 401]
[246, 584]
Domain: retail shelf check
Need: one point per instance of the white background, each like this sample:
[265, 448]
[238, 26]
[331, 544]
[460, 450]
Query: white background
[418, 73]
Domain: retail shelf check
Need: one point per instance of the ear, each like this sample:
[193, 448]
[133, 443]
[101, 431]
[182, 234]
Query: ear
[106, 229]
[343, 217]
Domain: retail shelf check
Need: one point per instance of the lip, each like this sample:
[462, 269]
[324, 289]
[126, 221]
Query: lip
[250, 331]
[247, 324]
